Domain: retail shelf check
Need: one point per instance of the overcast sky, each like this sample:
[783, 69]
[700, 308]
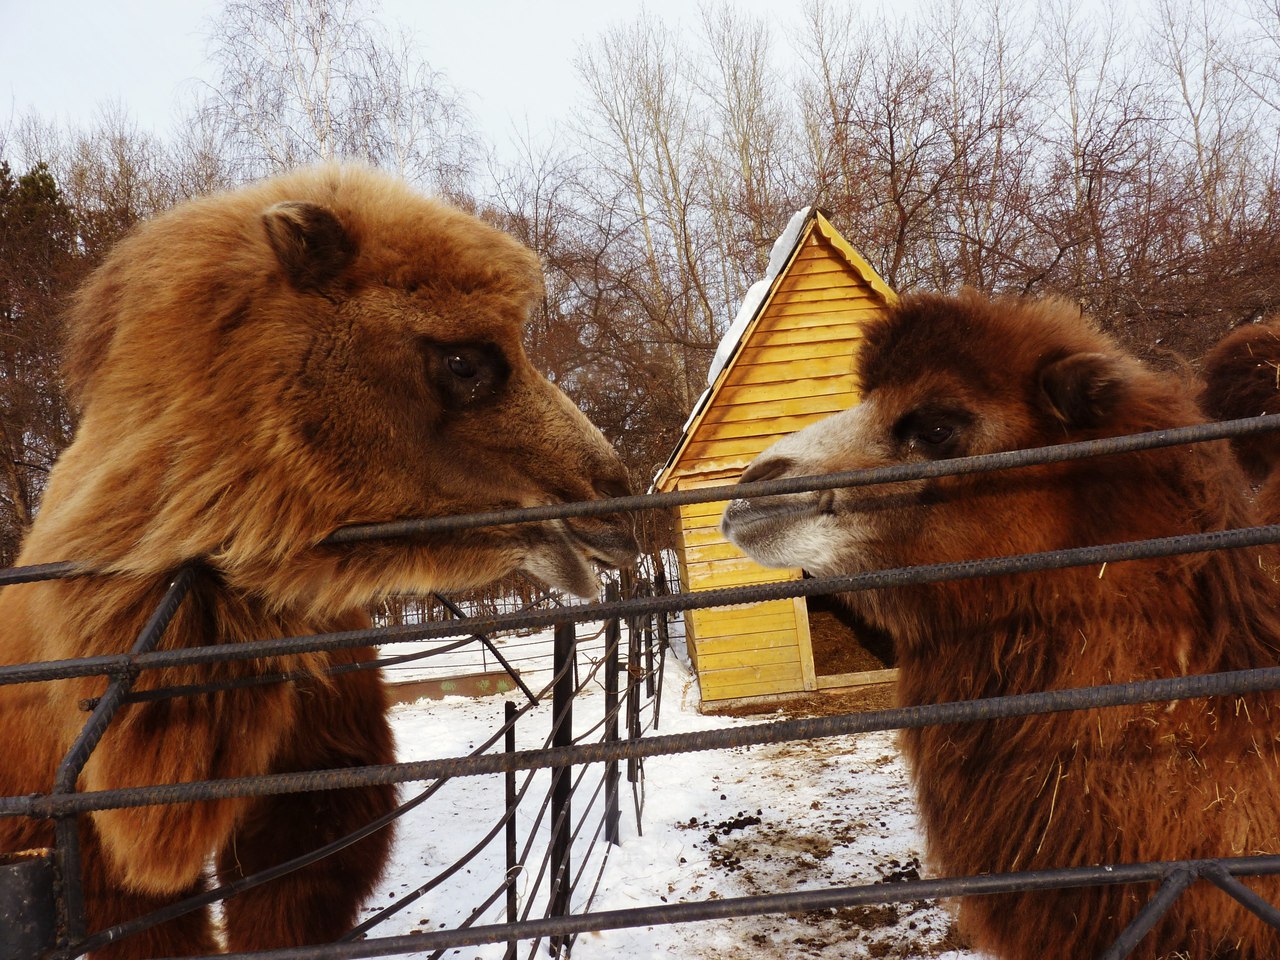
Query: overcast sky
[512, 58]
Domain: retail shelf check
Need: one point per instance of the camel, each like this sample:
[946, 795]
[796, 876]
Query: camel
[953, 376]
[254, 370]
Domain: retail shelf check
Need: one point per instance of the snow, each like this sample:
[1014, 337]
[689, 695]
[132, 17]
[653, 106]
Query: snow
[778, 256]
[779, 253]
[715, 824]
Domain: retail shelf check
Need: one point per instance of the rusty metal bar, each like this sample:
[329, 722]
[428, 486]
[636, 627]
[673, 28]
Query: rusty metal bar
[612, 631]
[963, 711]
[514, 674]
[1175, 883]
[1215, 874]
[66, 828]
[513, 865]
[960, 466]
[1058, 453]
[699, 600]
[796, 901]
[562, 778]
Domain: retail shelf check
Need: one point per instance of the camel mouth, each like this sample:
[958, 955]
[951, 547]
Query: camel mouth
[608, 543]
[747, 521]
[572, 555]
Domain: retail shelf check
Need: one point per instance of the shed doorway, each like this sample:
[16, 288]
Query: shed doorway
[846, 649]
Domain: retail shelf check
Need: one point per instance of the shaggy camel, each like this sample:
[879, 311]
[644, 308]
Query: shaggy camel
[253, 370]
[947, 377]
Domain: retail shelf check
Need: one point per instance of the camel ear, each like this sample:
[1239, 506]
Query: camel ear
[1082, 390]
[312, 245]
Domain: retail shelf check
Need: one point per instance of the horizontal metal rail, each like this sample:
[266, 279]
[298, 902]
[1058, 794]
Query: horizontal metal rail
[795, 902]
[960, 466]
[640, 606]
[962, 711]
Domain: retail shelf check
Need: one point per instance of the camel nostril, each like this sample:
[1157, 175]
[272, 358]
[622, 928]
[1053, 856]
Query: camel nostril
[770, 469]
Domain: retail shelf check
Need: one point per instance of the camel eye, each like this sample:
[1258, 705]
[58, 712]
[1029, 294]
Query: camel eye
[934, 431]
[939, 433]
[460, 366]
[465, 374]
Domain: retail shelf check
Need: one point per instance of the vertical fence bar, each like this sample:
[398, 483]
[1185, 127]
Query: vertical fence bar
[612, 635]
[634, 669]
[562, 777]
[66, 830]
[513, 868]
[635, 768]
[664, 641]
[649, 690]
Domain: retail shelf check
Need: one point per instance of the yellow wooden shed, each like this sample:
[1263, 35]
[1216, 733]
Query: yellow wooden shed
[785, 362]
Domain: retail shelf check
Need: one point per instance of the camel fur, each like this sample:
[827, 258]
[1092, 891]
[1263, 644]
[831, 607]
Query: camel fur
[254, 370]
[953, 376]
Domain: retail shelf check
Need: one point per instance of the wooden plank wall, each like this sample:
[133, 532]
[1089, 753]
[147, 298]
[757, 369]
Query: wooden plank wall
[795, 368]
[741, 651]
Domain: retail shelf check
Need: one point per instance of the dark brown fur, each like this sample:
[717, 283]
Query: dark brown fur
[256, 369]
[1242, 379]
[949, 377]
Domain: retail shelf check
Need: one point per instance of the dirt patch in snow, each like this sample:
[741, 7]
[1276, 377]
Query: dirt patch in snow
[828, 842]
[875, 696]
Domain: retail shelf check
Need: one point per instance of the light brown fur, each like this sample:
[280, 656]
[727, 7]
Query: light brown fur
[947, 377]
[256, 369]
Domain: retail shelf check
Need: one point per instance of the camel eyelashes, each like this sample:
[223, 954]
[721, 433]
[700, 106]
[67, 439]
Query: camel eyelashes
[940, 433]
[934, 432]
[465, 374]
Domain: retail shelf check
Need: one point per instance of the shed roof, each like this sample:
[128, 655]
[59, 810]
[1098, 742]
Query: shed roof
[804, 224]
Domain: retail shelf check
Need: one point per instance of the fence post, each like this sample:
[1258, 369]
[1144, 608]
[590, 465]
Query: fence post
[612, 634]
[513, 868]
[634, 669]
[664, 640]
[66, 827]
[28, 914]
[561, 777]
[649, 690]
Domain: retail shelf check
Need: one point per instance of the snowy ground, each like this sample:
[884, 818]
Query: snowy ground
[715, 824]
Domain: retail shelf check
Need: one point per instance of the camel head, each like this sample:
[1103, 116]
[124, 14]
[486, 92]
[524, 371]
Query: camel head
[946, 377]
[258, 368]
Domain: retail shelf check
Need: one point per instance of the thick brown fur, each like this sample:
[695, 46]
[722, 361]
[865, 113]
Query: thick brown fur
[1242, 379]
[254, 370]
[948, 377]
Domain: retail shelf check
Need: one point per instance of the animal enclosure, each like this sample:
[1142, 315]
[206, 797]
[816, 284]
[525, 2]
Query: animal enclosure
[37, 891]
[786, 362]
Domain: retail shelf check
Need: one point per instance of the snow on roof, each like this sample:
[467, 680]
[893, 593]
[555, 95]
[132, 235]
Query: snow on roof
[778, 257]
[779, 254]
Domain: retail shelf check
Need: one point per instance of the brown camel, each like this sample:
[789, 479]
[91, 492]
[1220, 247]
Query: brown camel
[253, 370]
[946, 377]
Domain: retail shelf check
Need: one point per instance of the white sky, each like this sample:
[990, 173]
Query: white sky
[65, 59]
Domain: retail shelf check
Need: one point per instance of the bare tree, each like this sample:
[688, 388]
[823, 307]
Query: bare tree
[836, 50]
[1211, 109]
[989, 82]
[750, 138]
[38, 261]
[641, 125]
[301, 81]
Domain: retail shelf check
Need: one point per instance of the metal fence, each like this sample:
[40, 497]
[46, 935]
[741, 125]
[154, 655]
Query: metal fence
[40, 899]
